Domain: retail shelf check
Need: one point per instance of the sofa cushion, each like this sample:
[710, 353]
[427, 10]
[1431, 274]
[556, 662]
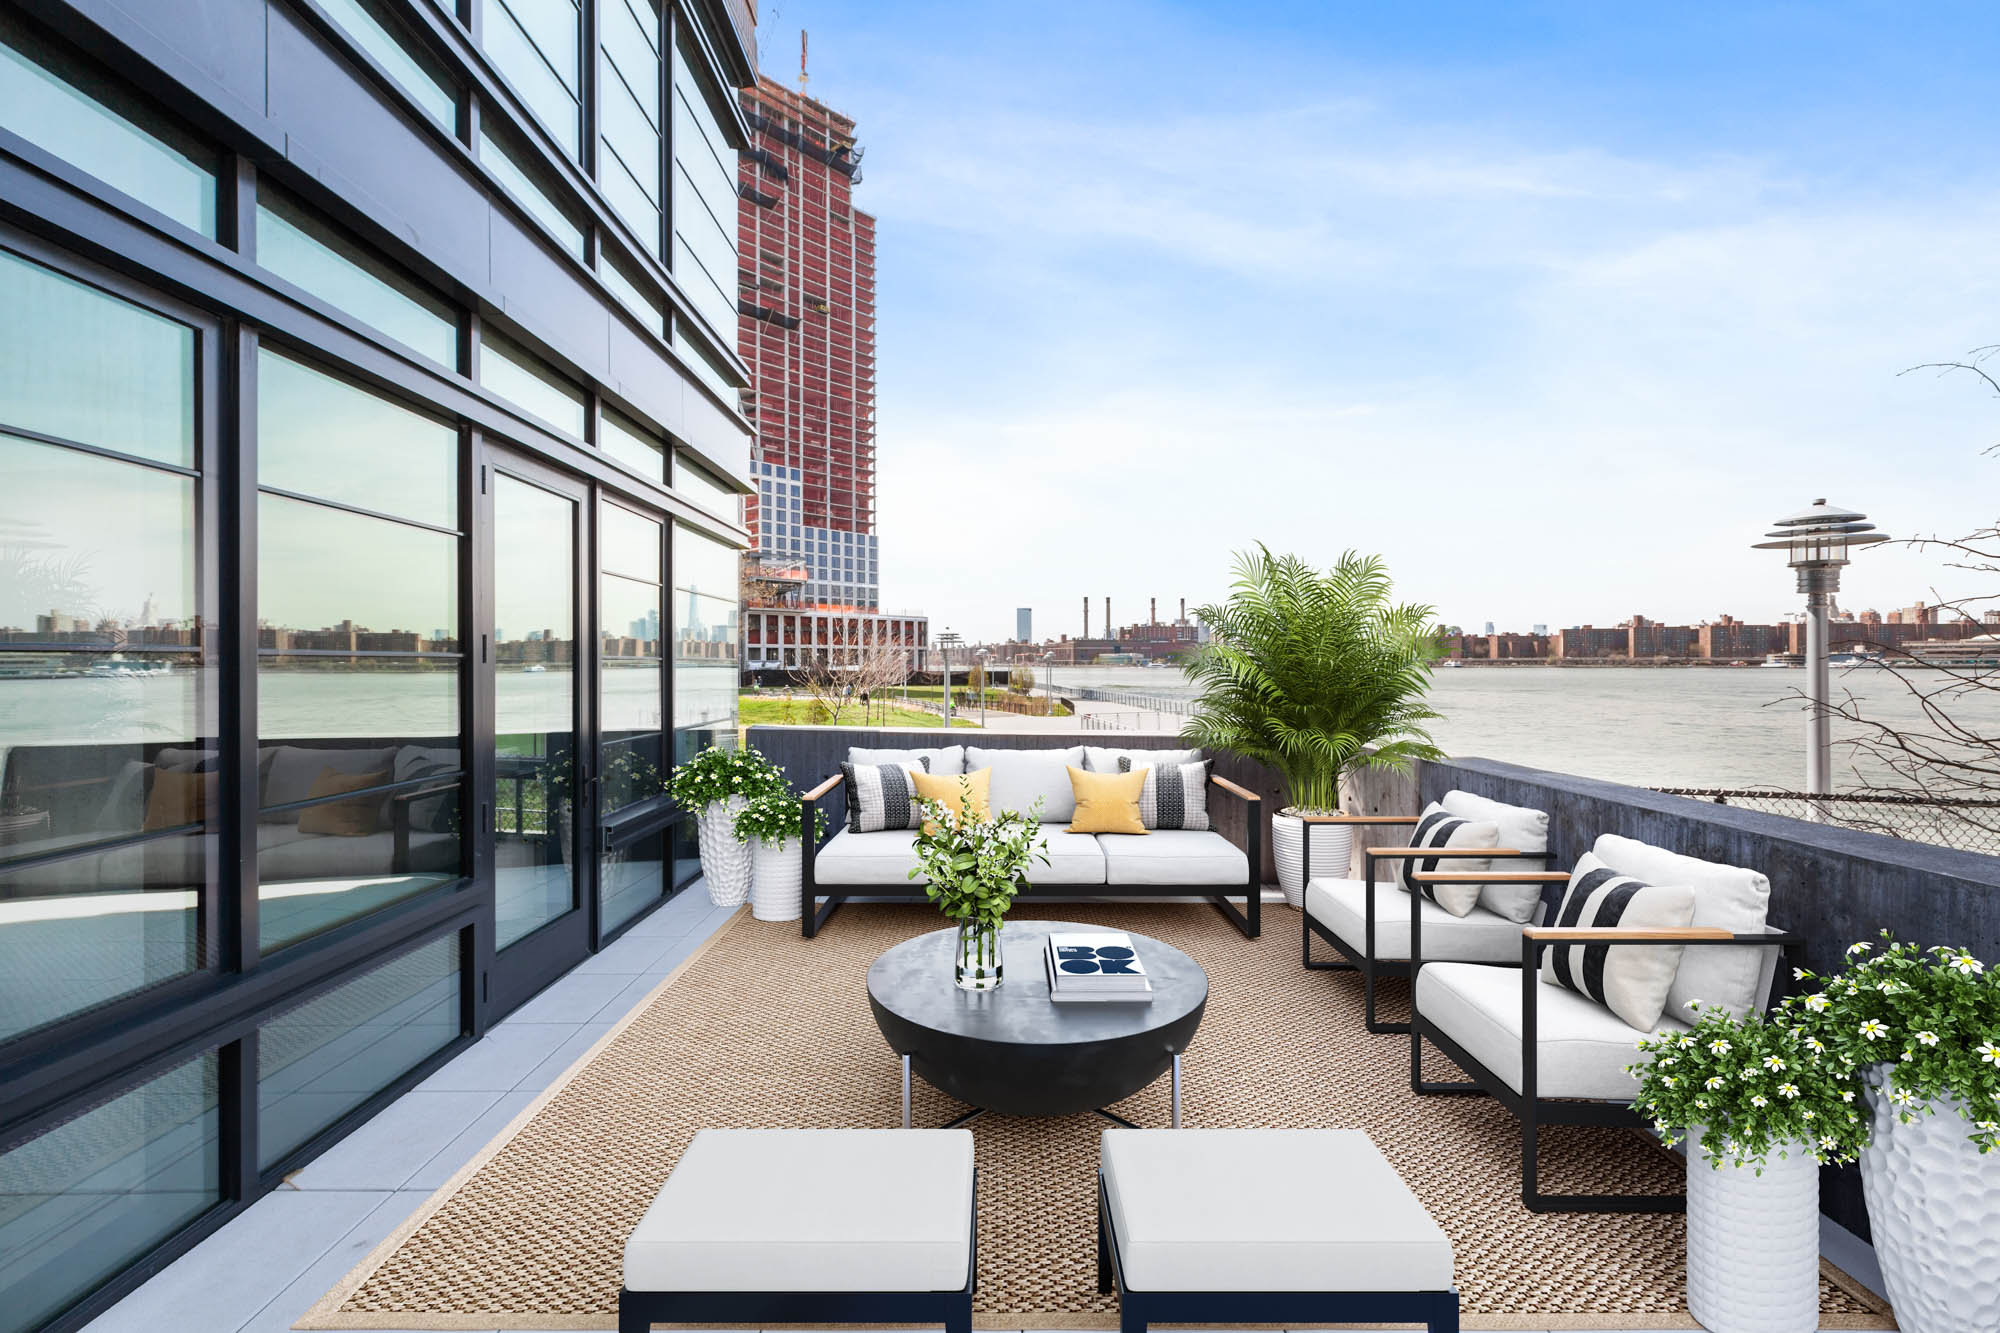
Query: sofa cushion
[1479, 936]
[1737, 977]
[963, 795]
[1246, 1210]
[1170, 857]
[291, 770]
[942, 759]
[1100, 759]
[1439, 828]
[1107, 802]
[1175, 795]
[884, 860]
[1522, 829]
[1582, 1047]
[1074, 858]
[1019, 776]
[859, 1210]
[881, 796]
[1631, 980]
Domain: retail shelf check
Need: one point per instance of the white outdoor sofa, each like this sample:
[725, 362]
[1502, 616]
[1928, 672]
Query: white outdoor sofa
[1162, 863]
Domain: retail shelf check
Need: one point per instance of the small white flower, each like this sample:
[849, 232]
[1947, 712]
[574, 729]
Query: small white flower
[1987, 1125]
[1669, 1080]
[1817, 1046]
[1760, 1100]
[1816, 1001]
[1806, 1113]
[1798, 974]
[1989, 1053]
[1872, 1029]
[1664, 1060]
[1788, 1089]
[1927, 1038]
[1701, 1103]
[1826, 1142]
[1847, 1096]
[1859, 946]
[1966, 964]
[1716, 1083]
[1719, 1046]
[1773, 1063]
[1901, 1097]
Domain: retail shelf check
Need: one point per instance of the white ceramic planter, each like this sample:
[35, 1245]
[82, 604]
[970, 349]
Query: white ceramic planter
[1934, 1209]
[1332, 846]
[725, 862]
[777, 881]
[1753, 1243]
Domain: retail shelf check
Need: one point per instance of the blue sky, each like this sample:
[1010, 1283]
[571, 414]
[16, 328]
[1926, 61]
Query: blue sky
[1554, 306]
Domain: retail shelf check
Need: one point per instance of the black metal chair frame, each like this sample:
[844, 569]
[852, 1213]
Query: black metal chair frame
[1364, 960]
[820, 904]
[1436, 1310]
[638, 1311]
[1528, 1106]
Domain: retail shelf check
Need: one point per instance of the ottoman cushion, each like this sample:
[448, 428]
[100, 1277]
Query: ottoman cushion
[1260, 1210]
[878, 1210]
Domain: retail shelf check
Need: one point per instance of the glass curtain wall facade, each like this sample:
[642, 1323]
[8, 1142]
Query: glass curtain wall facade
[356, 590]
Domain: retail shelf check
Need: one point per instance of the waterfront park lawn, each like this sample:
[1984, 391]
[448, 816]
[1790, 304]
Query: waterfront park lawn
[755, 711]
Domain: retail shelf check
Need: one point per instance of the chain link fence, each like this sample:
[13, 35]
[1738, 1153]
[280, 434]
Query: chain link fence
[1969, 824]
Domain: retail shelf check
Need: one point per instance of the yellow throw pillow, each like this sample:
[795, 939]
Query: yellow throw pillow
[1107, 802]
[176, 799]
[354, 818]
[956, 791]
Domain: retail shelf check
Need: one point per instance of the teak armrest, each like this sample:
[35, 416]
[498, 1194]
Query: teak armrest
[1624, 934]
[1356, 819]
[1242, 793]
[1411, 853]
[1490, 877]
[822, 789]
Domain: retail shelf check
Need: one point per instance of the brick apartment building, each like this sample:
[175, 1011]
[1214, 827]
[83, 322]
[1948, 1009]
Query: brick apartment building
[1725, 639]
[806, 328]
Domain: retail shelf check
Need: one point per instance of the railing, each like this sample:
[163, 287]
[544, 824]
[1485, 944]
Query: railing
[1150, 703]
[1969, 824]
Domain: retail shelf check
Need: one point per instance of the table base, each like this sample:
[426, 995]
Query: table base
[971, 1116]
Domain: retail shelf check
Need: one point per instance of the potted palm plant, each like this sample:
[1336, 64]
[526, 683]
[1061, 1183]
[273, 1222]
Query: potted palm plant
[716, 785]
[1312, 674]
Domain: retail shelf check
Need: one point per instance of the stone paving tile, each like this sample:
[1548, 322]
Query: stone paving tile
[384, 1153]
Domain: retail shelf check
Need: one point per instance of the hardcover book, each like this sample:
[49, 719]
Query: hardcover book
[1095, 966]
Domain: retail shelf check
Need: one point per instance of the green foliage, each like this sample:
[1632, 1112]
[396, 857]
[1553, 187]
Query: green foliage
[975, 867]
[716, 774]
[772, 817]
[1752, 1087]
[1928, 1021]
[1304, 671]
[1021, 679]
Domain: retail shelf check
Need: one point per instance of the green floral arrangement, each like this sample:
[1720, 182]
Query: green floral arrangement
[772, 817]
[976, 866]
[716, 774]
[1752, 1086]
[1928, 1018]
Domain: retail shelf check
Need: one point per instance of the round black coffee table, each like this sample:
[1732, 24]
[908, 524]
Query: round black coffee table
[1014, 1051]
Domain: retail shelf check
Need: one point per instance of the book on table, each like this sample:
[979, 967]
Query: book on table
[1098, 965]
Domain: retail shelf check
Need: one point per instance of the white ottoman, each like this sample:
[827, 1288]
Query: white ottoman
[1266, 1226]
[765, 1226]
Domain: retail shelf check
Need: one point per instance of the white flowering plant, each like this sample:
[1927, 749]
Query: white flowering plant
[773, 818]
[716, 774]
[1751, 1086]
[1927, 1019]
[973, 867]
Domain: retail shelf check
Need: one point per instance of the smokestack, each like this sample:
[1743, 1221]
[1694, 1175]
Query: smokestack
[1183, 610]
[1152, 610]
[1109, 633]
[1086, 616]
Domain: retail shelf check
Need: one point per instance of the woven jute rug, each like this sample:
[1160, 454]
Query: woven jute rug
[765, 1029]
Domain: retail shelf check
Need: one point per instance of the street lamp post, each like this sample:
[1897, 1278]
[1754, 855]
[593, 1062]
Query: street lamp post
[946, 642]
[1049, 679]
[984, 656]
[1817, 541]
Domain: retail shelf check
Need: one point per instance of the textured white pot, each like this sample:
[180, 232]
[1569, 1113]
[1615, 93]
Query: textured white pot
[1753, 1243]
[777, 889]
[725, 862]
[1934, 1209]
[1332, 845]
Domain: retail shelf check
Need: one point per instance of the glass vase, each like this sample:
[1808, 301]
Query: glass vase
[976, 961]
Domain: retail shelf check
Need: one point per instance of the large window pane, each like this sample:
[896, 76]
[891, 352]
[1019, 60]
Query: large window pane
[72, 113]
[92, 368]
[522, 379]
[704, 198]
[505, 163]
[306, 252]
[373, 32]
[705, 633]
[322, 436]
[649, 310]
[633, 877]
[703, 565]
[333, 581]
[703, 487]
[536, 45]
[630, 544]
[637, 448]
[332, 1053]
[92, 1195]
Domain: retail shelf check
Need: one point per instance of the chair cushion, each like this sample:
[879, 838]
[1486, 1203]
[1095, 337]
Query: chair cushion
[943, 758]
[1249, 1210]
[1477, 937]
[810, 1210]
[1175, 795]
[1100, 759]
[1630, 980]
[1019, 776]
[1168, 857]
[1438, 827]
[1582, 1048]
[884, 860]
[1522, 828]
[1736, 976]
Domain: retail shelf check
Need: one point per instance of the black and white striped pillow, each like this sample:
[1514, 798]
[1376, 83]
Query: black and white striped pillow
[1631, 980]
[882, 796]
[1175, 795]
[1438, 827]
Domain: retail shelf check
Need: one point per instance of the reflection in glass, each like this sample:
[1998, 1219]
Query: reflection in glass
[703, 487]
[633, 879]
[629, 544]
[704, 565]
[622, 286]
[324, 437]
[535, 43]
[88, 1197]
[332, 581]
[307, 253]
[72, 113]
[363, 21]
[505, 164]
[704, 196]
[629, 114]
[624, 441]
[387, 700]
[534, 679]
[319, 1061]
[92, 368]
[686, 852]
[521, 378]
